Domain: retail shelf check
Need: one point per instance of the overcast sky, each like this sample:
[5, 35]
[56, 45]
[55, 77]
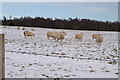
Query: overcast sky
[91, 10]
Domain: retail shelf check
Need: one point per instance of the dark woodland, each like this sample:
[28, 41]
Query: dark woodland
[74, 24]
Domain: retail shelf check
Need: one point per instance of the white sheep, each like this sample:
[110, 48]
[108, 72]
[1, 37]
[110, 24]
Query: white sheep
[27, 33]
[79, 36]
[94, 36]
[50, 34]
[99, 39]
[58, 36]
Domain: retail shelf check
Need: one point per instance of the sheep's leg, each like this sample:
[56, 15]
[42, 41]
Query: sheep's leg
[28, 36]
[57, 40]
[49, 38]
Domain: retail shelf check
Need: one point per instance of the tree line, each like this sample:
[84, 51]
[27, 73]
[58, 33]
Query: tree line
[74, 24]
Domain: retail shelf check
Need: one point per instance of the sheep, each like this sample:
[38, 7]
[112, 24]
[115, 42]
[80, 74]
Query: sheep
[27, 33]
[99, 39]
[58, 36]
[94, 36]
[50, 34]
[79, 36]
[55, 35]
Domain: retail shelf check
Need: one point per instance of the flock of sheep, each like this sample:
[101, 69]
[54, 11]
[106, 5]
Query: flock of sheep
[61, 35]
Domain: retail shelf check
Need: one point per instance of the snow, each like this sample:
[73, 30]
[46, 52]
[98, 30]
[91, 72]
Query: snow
[39, 57]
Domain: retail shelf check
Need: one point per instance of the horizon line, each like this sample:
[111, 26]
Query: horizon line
[56, 18]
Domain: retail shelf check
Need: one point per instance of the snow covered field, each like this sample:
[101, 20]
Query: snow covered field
[39, 57]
